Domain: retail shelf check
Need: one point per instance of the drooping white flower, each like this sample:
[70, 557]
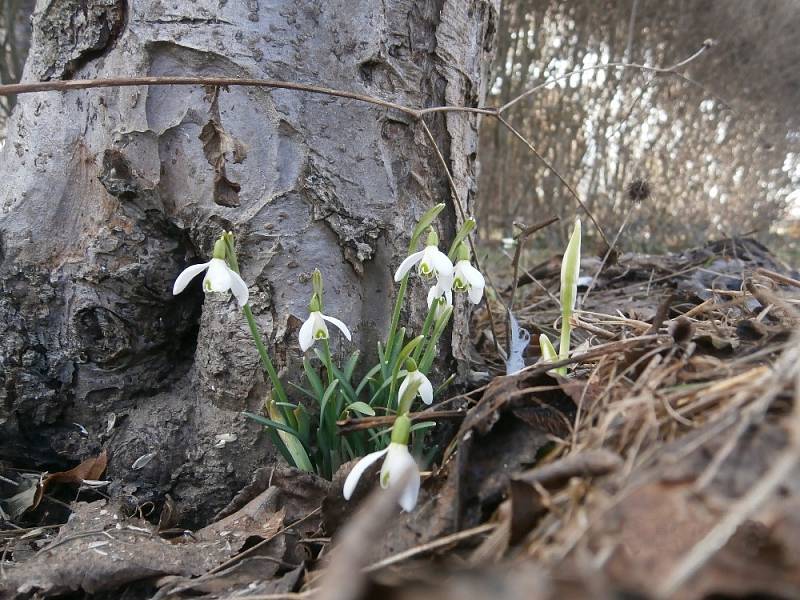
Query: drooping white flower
[432, 263]
[315, 329]
[219, 278]
[424, 389]
[467, 278]
[440, 290]
[398, 460]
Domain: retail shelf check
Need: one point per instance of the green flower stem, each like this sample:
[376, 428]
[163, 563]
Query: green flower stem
[254, 330]
[326, 358]
[262, 352]
[404, 403]
[429, 354]
[425, 222]
[426, 327]
[398, 305]
[563, 347]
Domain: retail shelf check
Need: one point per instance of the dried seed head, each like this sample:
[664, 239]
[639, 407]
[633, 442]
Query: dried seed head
[638, 190]
[681, 330]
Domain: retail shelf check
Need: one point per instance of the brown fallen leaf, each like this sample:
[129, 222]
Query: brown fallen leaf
[30, 494]
[91, 469]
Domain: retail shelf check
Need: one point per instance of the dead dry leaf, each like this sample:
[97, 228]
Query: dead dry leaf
[91, 468]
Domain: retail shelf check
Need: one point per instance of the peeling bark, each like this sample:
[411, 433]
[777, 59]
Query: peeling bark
[109, 193]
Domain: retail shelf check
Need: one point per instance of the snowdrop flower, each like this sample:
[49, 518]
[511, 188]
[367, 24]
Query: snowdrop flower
[467, 278]
[432, 261]
[315, 328]
[398, 461]
[437, 293]
[420, 384]
[219, 276]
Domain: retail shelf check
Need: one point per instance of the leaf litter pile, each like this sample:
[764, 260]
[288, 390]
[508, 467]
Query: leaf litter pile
[664, 465]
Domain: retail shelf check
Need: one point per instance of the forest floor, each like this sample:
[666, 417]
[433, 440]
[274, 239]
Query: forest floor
[665, 464]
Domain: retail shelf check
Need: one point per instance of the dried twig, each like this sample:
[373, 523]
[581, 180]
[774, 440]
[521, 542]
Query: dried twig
[432, 545]
[361, 423]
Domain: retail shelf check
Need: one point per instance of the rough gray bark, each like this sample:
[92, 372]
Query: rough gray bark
[109, 193]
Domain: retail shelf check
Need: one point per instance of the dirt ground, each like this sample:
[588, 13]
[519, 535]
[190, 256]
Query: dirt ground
[665, 464]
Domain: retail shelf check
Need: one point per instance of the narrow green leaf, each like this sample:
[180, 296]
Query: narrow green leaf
[306, 392]
[303, 423]
[361, 407]
[350, 366]
[313, 378]
[424, 222]
[384, 385]
[326, 398]
[462, 234]
[366, 379]
[430, 351]
[270, 423]
[444, 384]
[422, 425]
[278, 443]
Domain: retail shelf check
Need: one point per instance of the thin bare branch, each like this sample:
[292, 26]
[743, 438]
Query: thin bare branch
[611, 65]
[553, 170]
[115, 82]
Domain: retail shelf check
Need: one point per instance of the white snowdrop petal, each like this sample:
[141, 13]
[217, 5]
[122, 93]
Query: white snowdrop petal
[403, 385]
[186, 276]
[445, 281]
[406, 265]
[218, 278]
[433, 294]
[475, 294]
[408, 499]
[472, 275]
[397, 460]
[425, 389]
[358, 470]
[239, 288]
[306, 335]
[342, 327]
[440, 262]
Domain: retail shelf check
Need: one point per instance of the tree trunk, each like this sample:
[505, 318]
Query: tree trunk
[109, 193]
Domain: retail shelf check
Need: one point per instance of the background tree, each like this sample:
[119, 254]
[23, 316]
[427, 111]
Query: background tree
[15, 38]
[109, 193]
[720, 156]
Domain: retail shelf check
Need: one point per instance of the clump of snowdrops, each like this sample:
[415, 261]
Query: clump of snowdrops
[305, 432]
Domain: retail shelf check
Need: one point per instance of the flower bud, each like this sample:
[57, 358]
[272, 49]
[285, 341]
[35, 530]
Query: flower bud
[220, 249]
[315, 305]
[401, 430]
[316, 282]
[433, 238]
